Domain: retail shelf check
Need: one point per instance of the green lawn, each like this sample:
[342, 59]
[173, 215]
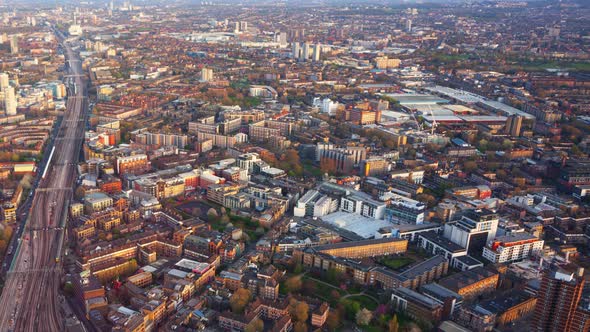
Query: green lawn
[396, 263]
[364, 301]
[245, 223]
[543, 65]
[325, 292]
[312, 170]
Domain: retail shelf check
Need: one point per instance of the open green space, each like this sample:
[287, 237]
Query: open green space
[310, 169]
[541, 65]
[200, 209]
[326, 292]
[396, 263]
[364, 301]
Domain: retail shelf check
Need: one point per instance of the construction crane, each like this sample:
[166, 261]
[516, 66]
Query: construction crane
[418, 125]
[434, 124]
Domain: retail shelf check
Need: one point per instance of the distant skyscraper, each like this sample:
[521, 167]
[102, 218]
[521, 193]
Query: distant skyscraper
[4, 81]
[281, 38]
[14, 44]
[296, 50]
[237, 27]
[9, 101]
[409, 25]
[514, 125]
[305, 53]
[206, 74]
[557, 301]
[317, 50]
[243, 26]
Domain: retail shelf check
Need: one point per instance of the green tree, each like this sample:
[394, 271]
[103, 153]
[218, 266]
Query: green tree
[427, 199]
[483, 145]
[470, 166]
[212, 215]
[291, 162]
[501, 174]
[69, 289]
[333, 320]
[256, 325]
[293, 284]
[309, 287]
[333, 276]
[224, 219]
[335, 295]
[393, 324]
[297, 269]
[239, 300]
[300, 327]
[299, 310]
[363, 317]
[351, 308]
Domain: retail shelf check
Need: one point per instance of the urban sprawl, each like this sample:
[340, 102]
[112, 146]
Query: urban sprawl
[295, 166]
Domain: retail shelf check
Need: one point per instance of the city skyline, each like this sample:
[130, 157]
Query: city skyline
[295, 166]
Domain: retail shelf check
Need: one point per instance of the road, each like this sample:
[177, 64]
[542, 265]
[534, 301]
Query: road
[30, 300]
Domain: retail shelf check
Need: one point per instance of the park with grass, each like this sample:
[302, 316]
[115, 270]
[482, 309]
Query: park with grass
[352, 305]
[396, 262]
[219, 217]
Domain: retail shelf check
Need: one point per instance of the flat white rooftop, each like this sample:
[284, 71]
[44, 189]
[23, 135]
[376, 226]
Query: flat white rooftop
[191, 265]
[362, 226]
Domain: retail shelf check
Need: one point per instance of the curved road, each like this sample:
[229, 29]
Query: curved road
[30, 300]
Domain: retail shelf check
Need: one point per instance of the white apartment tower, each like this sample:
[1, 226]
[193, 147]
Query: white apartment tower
[4, 81]
[9, 101]
[14, 44]
[206, 74]
[317, 50]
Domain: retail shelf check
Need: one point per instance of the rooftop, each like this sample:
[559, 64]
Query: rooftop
[416, 98]
[423, 267]
[469, 261]
[96, 197]
[411, 295]
[442, 242]
[515, 237]
[466, 278]
[506, 301]
[340, 245]
[363, 226]
[439, 292]
[193, 266]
